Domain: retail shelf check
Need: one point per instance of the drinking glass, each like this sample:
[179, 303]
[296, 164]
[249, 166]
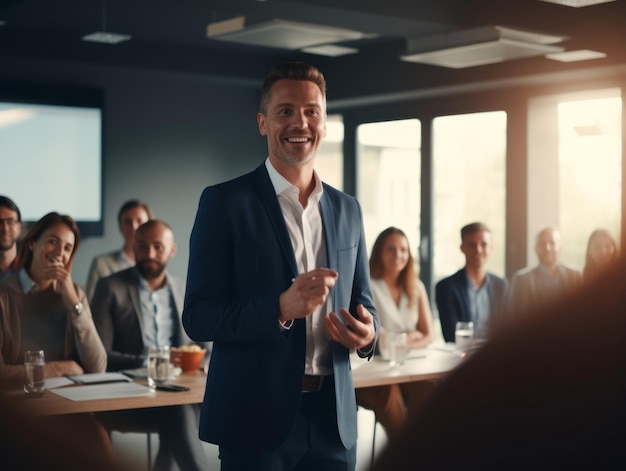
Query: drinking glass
[397, 349]
[158, 365]
[34, 362]
[464, 335]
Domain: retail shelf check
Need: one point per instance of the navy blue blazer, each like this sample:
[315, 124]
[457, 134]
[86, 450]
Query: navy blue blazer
[240, 260]
[453, 302]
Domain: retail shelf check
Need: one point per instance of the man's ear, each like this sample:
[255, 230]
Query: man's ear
[260, 119]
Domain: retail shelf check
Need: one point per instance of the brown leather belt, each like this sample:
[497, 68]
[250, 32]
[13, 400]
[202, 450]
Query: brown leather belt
[312, 383]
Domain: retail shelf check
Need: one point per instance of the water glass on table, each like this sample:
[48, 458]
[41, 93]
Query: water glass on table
[158, 366]
[464, 336]
[34, 362]
[397, 348]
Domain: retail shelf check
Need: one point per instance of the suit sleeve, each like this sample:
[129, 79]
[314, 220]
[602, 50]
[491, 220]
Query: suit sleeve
[104, 310]
[233, 285]
[448, 314]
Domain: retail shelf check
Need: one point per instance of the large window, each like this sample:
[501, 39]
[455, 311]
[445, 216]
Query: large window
[574, 167]
[329, 160]
[388, 178]
[469, 185]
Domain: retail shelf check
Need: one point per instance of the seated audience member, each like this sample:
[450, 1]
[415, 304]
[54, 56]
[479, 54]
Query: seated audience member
[10, 229]
[402, 304]
[534, 285]
[472, 294]
[131, 215]
[41, 308]
[547, 392]
[141, 307]
[601, 252]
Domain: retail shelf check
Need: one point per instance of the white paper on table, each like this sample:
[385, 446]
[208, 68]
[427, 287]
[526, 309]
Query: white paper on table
[58, 382]
[104, 391]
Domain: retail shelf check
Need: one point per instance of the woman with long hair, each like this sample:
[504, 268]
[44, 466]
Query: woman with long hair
[403, 307]
[41, 308]
[601, 251]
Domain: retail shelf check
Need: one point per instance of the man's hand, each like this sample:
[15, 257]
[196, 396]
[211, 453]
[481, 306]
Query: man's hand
[354, 333]
[307, 292]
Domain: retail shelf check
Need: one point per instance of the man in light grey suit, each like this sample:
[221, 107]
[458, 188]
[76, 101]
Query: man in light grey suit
[535, 285]
[141, 307]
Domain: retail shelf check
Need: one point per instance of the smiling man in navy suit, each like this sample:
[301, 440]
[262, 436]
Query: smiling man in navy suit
[472, 293]
[278, 279]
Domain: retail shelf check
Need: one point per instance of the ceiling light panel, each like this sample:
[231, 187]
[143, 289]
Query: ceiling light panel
[106, 38]
[480, 46]
[577, 3]
[288, 35]
[330, 50]
[575, 56]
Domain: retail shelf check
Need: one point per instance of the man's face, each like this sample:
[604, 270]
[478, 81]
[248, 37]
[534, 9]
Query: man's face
[476, 247]
[131, 219]
[10, 229]
[547, 247]
[154, 248]
[294, 121]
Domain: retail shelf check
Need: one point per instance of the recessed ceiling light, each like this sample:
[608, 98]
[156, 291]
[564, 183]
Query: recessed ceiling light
[106, 38]
[574, 56]
[330, 50]
[577, 3]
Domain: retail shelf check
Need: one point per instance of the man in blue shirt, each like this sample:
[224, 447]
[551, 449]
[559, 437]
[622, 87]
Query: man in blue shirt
[138, 308]
[472, 294]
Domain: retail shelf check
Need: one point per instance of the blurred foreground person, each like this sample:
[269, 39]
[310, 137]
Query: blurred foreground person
[547, 392]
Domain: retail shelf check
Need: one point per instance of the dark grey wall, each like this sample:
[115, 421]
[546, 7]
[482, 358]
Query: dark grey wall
[166, 137]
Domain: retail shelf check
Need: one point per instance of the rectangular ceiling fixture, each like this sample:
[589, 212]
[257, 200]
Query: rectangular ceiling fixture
[280, 34]
[480, 46]
[330, 50]
[106, 38]
[576, 56]
[577, 3]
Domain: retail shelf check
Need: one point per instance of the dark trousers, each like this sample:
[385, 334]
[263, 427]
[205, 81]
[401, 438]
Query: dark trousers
[313, 444]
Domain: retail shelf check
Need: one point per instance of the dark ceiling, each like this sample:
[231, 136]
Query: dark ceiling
[171, 35]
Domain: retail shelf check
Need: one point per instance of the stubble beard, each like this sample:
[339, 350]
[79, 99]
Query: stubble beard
[149, 273]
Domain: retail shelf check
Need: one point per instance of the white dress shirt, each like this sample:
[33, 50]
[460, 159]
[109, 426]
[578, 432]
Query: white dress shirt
[306, 232]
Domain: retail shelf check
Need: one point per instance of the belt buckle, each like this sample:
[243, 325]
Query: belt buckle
[312, 383]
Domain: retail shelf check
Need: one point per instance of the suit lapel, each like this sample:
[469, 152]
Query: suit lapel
[330, 230]
[268, 198]
[133, 294]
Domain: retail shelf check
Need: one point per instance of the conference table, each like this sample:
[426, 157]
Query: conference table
[52, 403]
[420, 365]
[426, 364]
